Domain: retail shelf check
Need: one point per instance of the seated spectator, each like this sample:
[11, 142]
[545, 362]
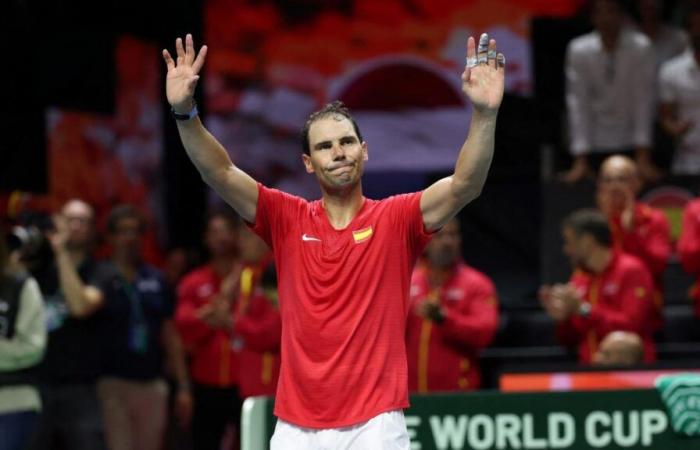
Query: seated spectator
[71, 416]
[608, 291]
[608, 81]
[204, 318]
[136, 334]
[619, 348]
[258, 323]
[22, 343]
[679, 92]
[689, 247]
[637, 229]
[453, 313]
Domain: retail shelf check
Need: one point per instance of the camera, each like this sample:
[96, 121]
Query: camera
[28, 238]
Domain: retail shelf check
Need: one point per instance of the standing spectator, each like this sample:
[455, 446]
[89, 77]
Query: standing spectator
[71, 415]
[22, 343]
[637, 229]
[608, 291]
[666, 40]
[258, 323]
[204, 319]
[689, 247]
[679, 85]
[609, 79]
[136, 332]
[453, 315]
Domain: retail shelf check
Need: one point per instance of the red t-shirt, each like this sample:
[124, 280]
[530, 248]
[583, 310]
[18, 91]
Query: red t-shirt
[344, 302]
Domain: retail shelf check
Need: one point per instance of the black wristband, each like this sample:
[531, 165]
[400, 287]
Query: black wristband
[188, 116]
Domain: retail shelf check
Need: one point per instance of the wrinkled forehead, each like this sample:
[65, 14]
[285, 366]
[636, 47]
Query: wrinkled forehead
[330, 128]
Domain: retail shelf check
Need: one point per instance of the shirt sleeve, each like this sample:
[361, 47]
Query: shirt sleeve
[274, 213]
[689, 241]
[667, 91]
[26, 347]
[475, 321]
[577, 102]
[643, 84]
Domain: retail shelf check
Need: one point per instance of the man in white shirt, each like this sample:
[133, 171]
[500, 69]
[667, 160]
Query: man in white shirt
[679, 92]
[610, 81]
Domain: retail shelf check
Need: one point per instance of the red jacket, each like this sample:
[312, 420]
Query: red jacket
[443, 356]
[213, 359]
[650, 241]
[259, 326]
[689, 247]
[621, 298]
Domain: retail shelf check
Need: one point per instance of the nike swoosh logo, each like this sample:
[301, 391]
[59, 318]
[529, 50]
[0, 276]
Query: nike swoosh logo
[306, 238]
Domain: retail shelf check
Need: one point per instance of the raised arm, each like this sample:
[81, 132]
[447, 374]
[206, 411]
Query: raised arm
[213, 163]
[482, 82]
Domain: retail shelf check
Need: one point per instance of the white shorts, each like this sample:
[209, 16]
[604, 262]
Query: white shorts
[387, 431]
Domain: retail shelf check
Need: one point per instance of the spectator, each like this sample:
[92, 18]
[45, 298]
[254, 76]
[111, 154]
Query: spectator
[689, 247]
[619, 348]
[666, 40]
[22, 343]
[204, 319]
[71, 415]
[136, 332]
[608, 291]
[258, 322]
[609, 79]
[637, 229]
[453, 314]
[679, 92]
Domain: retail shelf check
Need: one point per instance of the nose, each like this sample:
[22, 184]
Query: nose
[338, 152]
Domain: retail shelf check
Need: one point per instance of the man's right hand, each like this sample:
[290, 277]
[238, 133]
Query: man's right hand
[182, 76]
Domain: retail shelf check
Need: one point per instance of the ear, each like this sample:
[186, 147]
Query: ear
[365, 155]
[306, 159]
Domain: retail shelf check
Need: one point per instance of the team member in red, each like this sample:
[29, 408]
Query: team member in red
[204, 318]
[343, 262]
[609, 290]
[637, 229]
[257, 323]
[453, 315]
[689, 247]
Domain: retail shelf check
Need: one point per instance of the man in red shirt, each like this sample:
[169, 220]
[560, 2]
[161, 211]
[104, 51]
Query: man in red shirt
[609, 290]
[637, 229]
[343, 262]
[689, 247]
[453, 315]
[205, 321]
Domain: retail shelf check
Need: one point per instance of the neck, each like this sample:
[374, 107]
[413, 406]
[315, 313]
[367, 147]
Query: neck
[437, 276]
[126, 266]
[342, 206]
[222, 265]
[599, 260]
[649, 26]
[610, 40]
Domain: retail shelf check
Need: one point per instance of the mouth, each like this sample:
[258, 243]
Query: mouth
[340, 167]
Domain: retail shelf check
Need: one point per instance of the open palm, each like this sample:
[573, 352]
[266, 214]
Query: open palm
[483, 76]
[183, 74]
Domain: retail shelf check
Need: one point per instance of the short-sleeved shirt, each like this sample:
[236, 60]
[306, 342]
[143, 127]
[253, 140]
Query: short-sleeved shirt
[131, 322]
[344, 302]
[72, 352]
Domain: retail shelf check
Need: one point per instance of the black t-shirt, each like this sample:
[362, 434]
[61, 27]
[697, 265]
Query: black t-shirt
[72, 351]
[131, 321]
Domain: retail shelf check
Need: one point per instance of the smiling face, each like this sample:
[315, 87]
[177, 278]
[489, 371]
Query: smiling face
[336, 154]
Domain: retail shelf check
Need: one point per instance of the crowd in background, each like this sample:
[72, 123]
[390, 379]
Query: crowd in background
[105, 352]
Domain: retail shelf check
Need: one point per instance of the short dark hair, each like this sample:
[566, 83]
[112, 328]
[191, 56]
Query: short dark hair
[590, 221]
[334, 108]
[121, 212]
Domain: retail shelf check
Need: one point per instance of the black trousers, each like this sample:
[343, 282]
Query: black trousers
[214, 409]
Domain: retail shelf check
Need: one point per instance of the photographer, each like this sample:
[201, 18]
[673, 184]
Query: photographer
[71, 414]
[22, 342]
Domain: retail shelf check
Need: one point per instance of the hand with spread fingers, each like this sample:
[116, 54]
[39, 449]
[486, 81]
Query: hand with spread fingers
[483, 76]
[183, 74]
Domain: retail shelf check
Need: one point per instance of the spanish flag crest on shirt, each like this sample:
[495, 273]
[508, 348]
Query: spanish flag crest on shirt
[362, 235]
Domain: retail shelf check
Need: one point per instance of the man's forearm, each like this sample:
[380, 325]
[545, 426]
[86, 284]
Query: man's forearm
[206, 153]
[80, 301]
[475, 157]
